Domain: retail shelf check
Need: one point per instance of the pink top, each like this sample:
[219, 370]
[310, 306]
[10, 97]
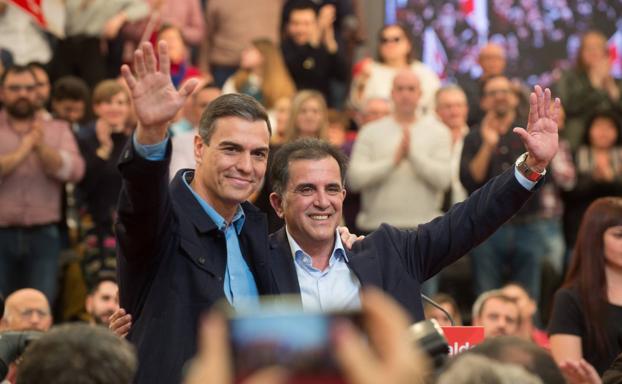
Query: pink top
[29, 196]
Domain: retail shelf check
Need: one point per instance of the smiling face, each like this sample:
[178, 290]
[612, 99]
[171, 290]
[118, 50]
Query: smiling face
[497, 96]
[394, 46]
[115, 111]
[103, 302]
[302, 25]
[310, 117]
[311, 204]
[232, 165]
[452, 108]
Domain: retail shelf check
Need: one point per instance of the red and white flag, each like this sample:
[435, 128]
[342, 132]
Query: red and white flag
[49, 14]
[615, 54]
[476, 14]
[434, 55]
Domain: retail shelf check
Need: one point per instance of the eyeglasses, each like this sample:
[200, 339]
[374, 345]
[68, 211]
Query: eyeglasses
[385, 40]
[494, 92]
[19, 87]
[27, 313]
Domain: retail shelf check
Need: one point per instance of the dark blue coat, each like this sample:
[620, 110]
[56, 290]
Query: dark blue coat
[398, 261]
[171, 263]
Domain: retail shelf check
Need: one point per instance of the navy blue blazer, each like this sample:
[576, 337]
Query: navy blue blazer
[398, 261]
[171, 263]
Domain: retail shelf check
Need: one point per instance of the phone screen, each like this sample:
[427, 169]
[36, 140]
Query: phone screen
[298, 341]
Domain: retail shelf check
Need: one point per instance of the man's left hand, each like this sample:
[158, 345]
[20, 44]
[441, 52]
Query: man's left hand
[540, 138]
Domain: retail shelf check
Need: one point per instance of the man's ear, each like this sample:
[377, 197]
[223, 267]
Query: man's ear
[88, 305]
[276, 201]
[198, 149]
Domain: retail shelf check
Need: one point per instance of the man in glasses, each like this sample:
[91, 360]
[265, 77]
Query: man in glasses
[26, 309]
[36, 157]
[489, 150]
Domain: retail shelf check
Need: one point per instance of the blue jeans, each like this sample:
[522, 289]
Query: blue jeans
[514, 250]
[29, 259]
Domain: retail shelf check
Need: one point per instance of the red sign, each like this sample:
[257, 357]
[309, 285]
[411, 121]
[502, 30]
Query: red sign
[461, 339]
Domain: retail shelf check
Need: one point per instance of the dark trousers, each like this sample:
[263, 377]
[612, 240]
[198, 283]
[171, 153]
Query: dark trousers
[80, 56]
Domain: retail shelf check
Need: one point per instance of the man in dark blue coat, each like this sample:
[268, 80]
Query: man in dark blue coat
[308, 192]
[184, 247]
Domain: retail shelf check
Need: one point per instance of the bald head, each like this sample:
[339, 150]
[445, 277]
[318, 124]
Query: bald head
[27, 309]
[406, 92]
[492, 60]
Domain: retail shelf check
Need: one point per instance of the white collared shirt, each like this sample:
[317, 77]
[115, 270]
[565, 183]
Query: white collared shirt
[335, 288]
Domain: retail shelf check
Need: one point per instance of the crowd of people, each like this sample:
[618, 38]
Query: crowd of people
[154, 162]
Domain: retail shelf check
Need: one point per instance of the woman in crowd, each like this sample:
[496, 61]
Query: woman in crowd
[588, 87]
[279, 116]
[262, 74]
[598, 163]
[395, 52]
[308, 117]
[587, 312]
[101, 143]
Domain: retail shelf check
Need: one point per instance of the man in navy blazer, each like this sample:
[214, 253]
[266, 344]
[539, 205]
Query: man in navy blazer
[184, 247]
[308, 192]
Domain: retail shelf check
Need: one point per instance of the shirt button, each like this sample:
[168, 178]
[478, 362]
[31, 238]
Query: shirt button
[201, 260]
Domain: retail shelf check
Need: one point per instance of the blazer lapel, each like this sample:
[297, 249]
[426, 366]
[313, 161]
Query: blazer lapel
[365, 264]
[197, 231]
[282, 264]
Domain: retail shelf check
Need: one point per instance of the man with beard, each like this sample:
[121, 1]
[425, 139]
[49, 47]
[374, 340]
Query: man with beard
[103, 301]
[490, 149]
[36, 157]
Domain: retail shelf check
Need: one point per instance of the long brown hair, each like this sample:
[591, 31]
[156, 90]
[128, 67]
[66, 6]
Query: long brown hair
[275, 79]
[580, 64]
[587, 268]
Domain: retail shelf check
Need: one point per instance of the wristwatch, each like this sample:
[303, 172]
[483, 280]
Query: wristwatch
[523, 168]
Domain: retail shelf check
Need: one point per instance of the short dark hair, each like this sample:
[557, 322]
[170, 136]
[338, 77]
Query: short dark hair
[16, 69]
[78, 353]
[101, 279]
[37, 65]
[487, 80]
[514, 350]
[302, 149]
[70, 88]
[603, 113]
[233, 104]
[302, 5]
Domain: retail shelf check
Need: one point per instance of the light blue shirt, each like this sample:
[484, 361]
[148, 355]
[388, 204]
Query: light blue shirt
[239, 284]
[335, 288]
